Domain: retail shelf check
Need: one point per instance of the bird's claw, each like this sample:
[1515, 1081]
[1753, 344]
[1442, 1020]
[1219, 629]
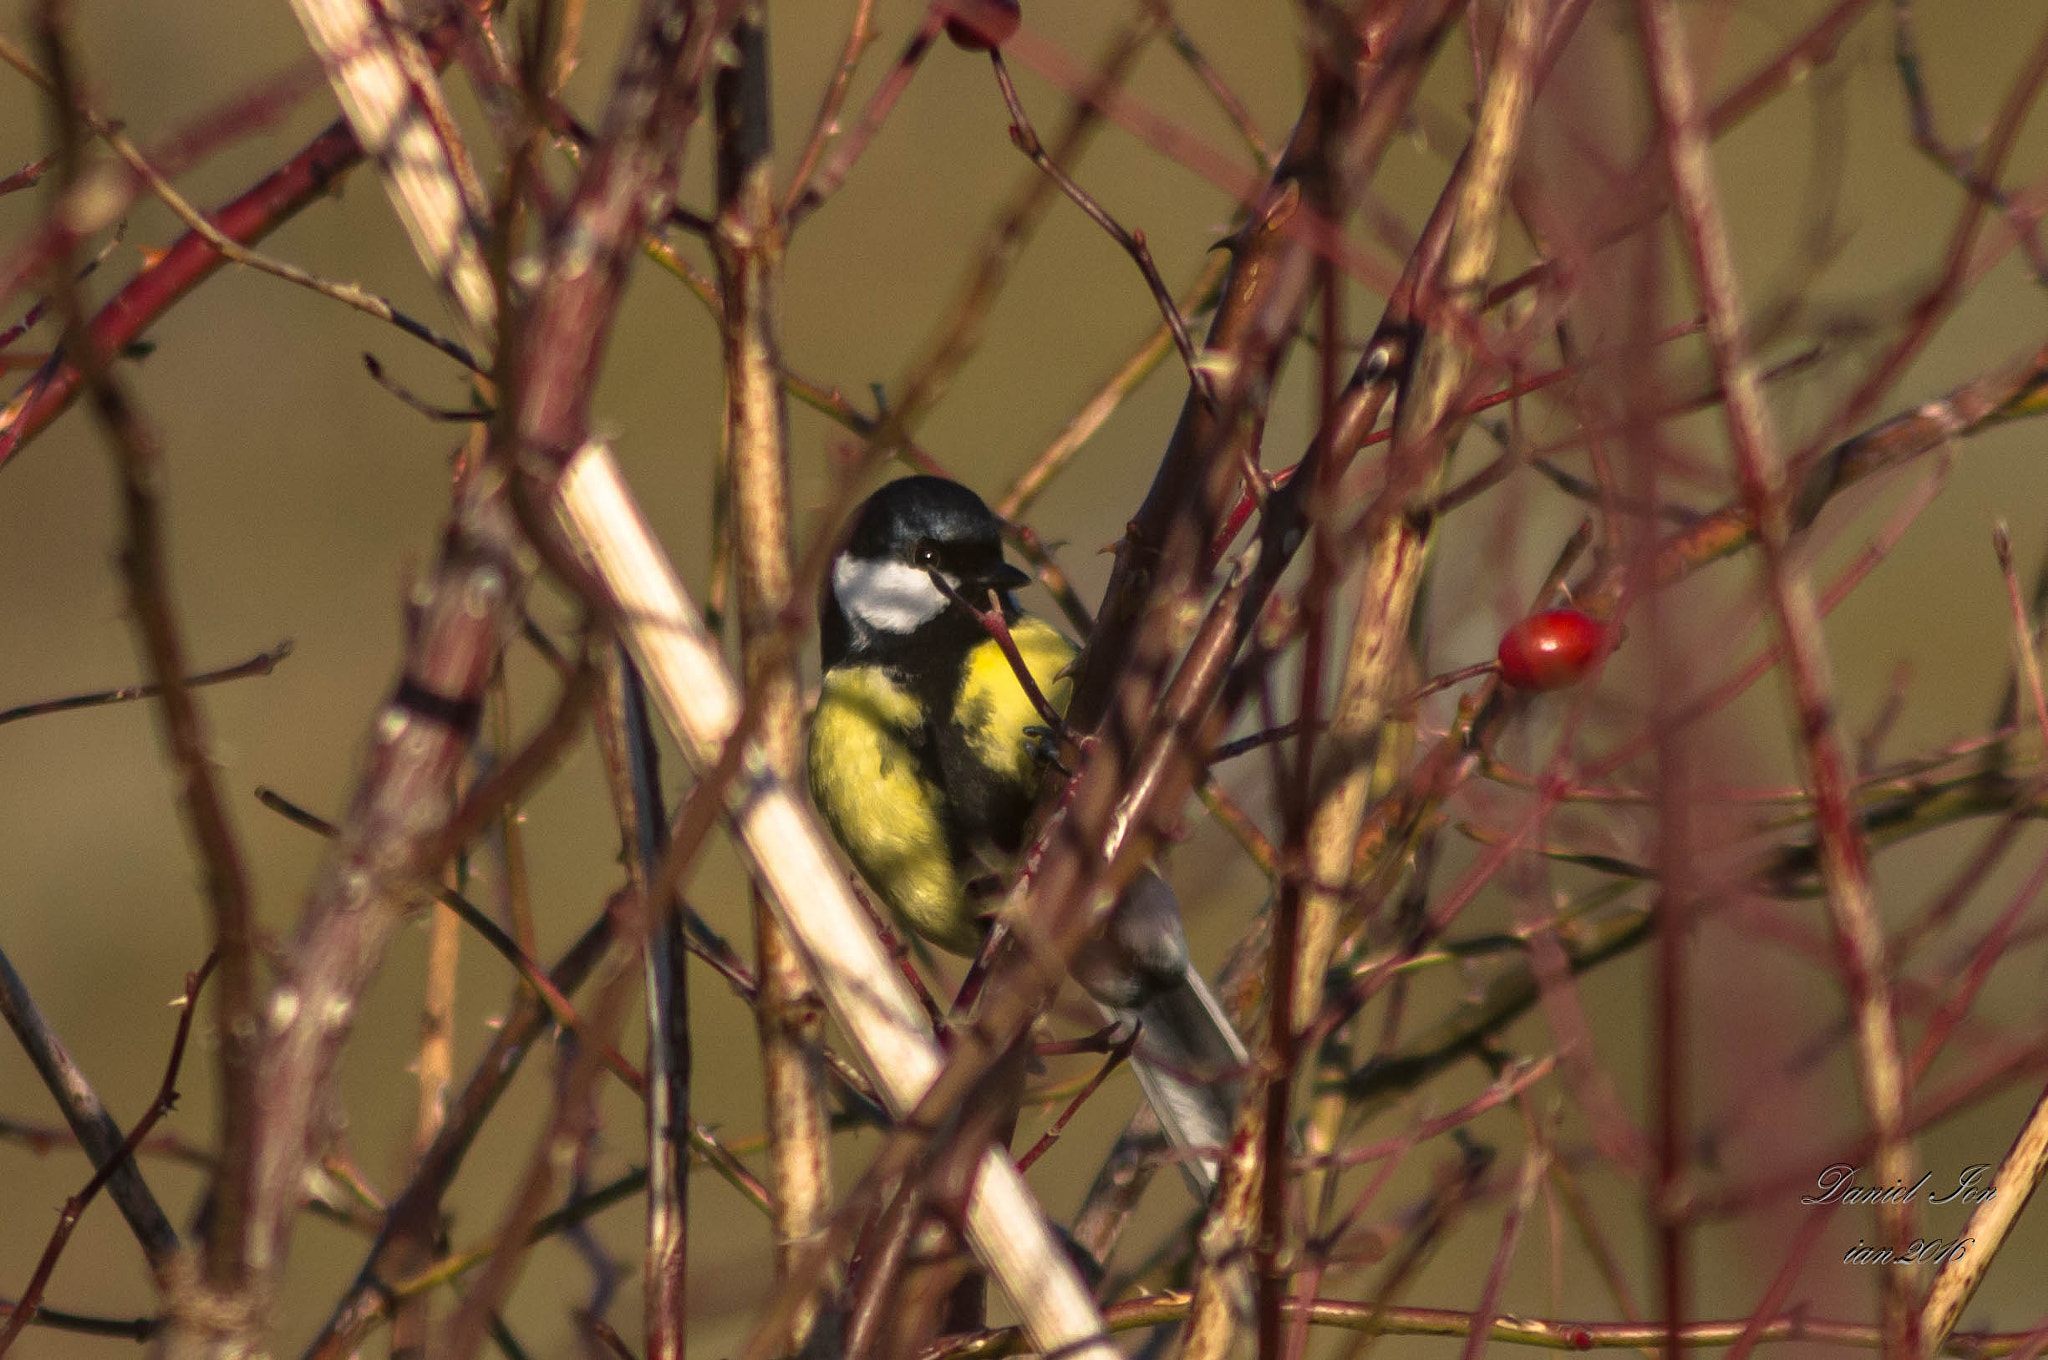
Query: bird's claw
[1047, 746]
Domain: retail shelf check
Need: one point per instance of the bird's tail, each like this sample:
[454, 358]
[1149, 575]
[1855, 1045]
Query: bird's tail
[1189, 1060]
[1191, 1065]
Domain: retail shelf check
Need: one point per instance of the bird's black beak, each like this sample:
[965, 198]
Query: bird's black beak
[997, 576]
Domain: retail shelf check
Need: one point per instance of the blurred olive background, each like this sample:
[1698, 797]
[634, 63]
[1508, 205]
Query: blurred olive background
[302, 498]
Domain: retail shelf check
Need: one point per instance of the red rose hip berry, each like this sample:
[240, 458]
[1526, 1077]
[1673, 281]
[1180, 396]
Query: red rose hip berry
[1551, 650]
[980, 25]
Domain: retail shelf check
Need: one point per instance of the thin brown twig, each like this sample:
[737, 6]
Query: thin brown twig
[28, 176]
[808, 195]
[1867, 559]
[1227, 99]
[1535, 1163]
[1133, 242]
[1933, 307]
[365, 1301]
[88, 1123]
[139, 464]
[40, 1138]
[2023, 646]
[997, 627]
[570, 1216]
[955, 339]
[40, 308]
[263, 663]
[1764, 493]
[860, 34]
[560, 1009]
[1551, 1334]
[301, 180]
[876, 1268]
[24, 1309]
[1116, 1057]
[86, 1324]
[1954, 162]
[244, 114]
[148, 175]
[531, 1188]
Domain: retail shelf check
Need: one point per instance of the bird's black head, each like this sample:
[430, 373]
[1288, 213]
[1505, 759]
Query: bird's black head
[881, 589]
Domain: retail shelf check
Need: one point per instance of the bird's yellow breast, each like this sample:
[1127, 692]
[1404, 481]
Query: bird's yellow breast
[992, 708]
[869, 786]
[881, 801]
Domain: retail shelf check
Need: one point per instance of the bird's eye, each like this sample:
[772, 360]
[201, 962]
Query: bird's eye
[926, 553]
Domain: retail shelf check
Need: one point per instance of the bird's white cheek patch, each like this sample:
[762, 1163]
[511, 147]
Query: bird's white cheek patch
[889, 597]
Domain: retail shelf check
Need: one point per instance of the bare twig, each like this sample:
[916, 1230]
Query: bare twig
[139, 465]
[1132, 242]
[418, 1202]
[1938, 302]
[747, 245]
[1765, 497]
[632, 760]
[148, 174]
[2019, 1173]
[24, 1309]
[1227, 99]
[263, 663]
[473, 604]
[97, 1134]
[1956, 163]
[1549, 1334]
[808, 194]
[302, 180]
[2024, 657]
[859, 35]
[1116, 1057]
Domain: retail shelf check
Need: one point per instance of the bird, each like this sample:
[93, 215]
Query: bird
[925, 757]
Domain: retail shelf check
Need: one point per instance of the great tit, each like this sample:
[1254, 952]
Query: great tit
[924, 765]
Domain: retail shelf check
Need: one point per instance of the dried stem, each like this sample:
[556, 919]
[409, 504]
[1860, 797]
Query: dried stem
[1132, 242]
[1845, 864]
[24, 1309]
[263, 663]
[387, 86]
[2018, 1176]
[97, 1133]
[139, 466]
[860, 34]
[1553, 1334]
[231, 250]
[747, 245]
